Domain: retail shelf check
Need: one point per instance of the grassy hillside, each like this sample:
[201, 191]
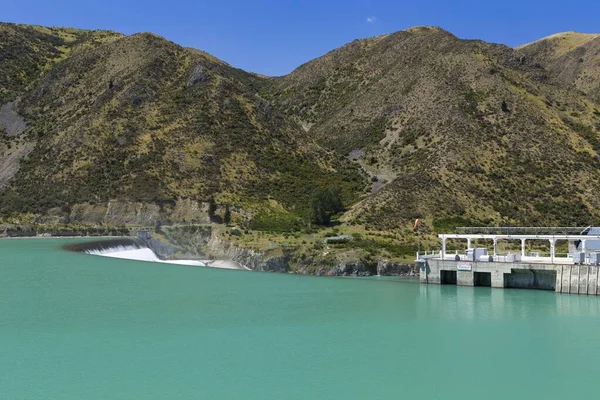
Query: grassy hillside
[572, 58]
[27, 52]
[452, 130]
[457, 132]
[139, 118]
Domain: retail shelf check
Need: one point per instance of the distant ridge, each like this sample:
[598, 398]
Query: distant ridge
[575, 38]
[572, 58]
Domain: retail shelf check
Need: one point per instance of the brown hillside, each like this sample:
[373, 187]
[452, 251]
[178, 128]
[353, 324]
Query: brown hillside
[452, 129]
[455, 131]
[143, 119]
[571, 58]
[27, 52]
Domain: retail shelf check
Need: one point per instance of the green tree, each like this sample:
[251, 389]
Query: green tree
[227, 216]
[212, 208]
[325, 204]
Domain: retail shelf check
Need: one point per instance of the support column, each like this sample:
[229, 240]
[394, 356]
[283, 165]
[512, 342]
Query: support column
[566, 278]
[497, 278]
[523, 247]
[465, 278]
[443, 247]
[584, 272]
[552, 249]
[468, 243]
[559, 279]
[592, 280]
[495, 247]
[583, 248]
[574, 285]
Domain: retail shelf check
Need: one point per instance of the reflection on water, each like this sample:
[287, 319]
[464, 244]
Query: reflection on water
[477, 303]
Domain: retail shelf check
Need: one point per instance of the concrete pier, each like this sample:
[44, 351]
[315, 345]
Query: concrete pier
[592, 280]
[562, 278]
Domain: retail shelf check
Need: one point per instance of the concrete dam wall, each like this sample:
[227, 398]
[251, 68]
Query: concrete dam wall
[576, 279]
[531, 279]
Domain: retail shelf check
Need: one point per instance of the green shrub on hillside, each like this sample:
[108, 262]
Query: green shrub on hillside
[448, 225]
[325, 204]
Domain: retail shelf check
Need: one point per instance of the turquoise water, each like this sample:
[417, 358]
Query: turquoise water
[83, 327]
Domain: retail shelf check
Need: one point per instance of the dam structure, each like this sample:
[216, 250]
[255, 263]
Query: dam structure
[144, 248]
[576, 271]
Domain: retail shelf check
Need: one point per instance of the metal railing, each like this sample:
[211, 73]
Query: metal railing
[522, 230]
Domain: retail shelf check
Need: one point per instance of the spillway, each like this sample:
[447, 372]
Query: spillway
[136, 249]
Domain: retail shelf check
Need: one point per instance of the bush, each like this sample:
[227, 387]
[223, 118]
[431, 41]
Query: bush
[277, 222]
[450, 224]
[212, 207]
[227, 216]
[325, 204]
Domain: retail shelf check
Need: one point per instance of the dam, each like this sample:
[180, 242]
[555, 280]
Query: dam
[575, 272]
[142, 248]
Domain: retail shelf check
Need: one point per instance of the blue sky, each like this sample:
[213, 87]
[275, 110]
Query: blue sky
[274, 37]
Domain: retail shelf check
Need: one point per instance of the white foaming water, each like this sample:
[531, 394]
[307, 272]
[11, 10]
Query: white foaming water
[146, 254]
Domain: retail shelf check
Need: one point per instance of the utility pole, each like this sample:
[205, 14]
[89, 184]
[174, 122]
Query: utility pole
[418, 239]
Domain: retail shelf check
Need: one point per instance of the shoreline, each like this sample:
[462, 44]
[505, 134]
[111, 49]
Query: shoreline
[60, 237]
[219, 253]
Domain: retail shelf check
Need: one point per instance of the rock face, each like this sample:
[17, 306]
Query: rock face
[197, 75]
[386, 268]
[11, 121]
[346, 268]
[119, 213]
[139, 213]
[257, 261]
[91, 213]
[188, 210]
[9, 162]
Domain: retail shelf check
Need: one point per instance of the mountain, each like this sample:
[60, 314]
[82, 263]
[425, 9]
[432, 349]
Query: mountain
[453, 131]
[458, 131]
[29, 51]
[141, 119]
[572, 58]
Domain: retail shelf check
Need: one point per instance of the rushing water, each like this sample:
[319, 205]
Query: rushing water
[74, 326]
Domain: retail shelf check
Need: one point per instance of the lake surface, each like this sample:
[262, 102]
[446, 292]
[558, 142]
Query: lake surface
[74, 326]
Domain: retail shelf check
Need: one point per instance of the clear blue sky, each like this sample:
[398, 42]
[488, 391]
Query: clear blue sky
[274, 37]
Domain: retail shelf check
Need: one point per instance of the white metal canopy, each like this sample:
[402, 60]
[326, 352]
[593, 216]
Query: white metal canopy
[516, 237]
[523, 238]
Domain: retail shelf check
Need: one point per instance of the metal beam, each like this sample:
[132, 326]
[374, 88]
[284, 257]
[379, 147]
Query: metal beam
[538, 230]
[516, 237]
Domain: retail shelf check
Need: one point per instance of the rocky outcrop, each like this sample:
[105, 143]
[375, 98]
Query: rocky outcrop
[12, 150]
[187, 210]
[10, 161]
[197, 75]
[255, 260]
[122, 212]
[11, 121]
[90, 213]
[141, 214]
[343, 268]
[387, 268]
